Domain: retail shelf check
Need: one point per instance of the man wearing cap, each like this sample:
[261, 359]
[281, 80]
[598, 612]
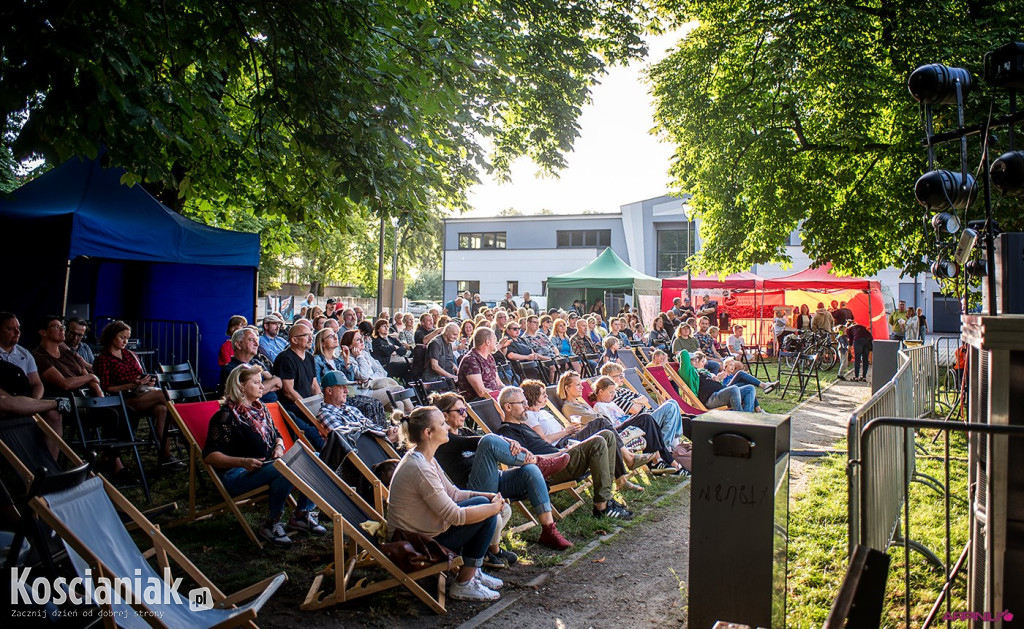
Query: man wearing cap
[573, 317]
[348, 421]
[271, 344]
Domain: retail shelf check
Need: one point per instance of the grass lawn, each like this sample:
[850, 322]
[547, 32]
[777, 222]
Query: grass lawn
[818, 539]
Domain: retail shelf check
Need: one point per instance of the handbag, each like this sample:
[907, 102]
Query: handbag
[683, 455]
[414, 551]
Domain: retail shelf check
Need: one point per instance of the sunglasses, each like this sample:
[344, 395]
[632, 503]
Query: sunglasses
[460, 411]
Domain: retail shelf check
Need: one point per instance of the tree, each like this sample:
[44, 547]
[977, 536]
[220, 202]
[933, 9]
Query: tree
[428, 285]
[306, 110]
[790, 110]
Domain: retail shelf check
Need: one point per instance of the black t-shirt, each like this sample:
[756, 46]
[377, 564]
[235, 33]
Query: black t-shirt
[441, 351]
[708, 387]
[420, 334]
[526, 438]
[288, 366]
[520, 346]
[456, 456]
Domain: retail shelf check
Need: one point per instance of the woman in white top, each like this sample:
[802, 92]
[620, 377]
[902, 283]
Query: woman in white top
[424, 501]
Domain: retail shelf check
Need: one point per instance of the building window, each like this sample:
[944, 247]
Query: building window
[674, 246]
[584, 238]
[472, 286]
[512, 287]
[482, 240]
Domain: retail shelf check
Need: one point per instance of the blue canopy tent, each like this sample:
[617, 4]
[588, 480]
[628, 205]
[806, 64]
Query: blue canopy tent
[77, 235]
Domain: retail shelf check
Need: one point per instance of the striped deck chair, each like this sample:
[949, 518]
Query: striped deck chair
[85, 518]
[354, 548]
[488, 417]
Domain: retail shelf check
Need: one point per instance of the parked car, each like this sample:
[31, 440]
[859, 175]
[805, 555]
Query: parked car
[417, 307]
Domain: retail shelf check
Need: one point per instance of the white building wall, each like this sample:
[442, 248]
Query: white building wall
[494, 267]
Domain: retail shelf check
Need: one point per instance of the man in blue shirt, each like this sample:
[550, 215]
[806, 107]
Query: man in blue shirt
[454, 308]
[271, 343]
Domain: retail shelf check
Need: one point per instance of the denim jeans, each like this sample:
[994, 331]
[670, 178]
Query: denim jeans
[307, 428]
[742, 377]
[652, 434]
[470, 540]
[713, 366]
[669, 420]
[515, 483]
[238, 481]
[736, 397]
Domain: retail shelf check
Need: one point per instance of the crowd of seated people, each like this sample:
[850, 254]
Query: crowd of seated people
[452, 482]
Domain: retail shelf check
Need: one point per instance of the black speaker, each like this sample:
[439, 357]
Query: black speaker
[1004, 66]
[1009, 273]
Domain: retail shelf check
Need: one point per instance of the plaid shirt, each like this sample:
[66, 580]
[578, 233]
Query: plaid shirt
[540, 344]
[346, 419]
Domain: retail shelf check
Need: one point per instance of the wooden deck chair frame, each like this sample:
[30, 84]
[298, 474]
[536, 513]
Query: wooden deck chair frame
[352, 549]
[571, 487]
[165, 552]
[19, 467]
[229, 502]
[685, 397]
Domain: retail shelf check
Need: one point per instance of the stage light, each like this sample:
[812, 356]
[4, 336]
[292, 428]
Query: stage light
[946, 222]
[977, 268]
[944, 189]
[1008, 173]
[945, 269]
[935, 84]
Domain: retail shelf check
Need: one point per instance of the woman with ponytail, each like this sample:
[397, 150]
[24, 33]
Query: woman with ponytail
[424, 501]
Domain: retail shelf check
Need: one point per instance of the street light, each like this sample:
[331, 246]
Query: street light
[688, 213]
[394, 267]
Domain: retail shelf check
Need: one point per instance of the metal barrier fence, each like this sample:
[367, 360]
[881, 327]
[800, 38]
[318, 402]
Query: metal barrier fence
[910, 394]
[161, 341]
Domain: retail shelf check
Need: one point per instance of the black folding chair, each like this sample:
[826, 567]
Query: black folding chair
[181, 380]
[191, 394]
[91, 431]
[530, 369]
[395, 397]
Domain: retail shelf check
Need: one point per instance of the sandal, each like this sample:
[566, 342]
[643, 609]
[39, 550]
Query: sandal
[631, 486]
[639, 460]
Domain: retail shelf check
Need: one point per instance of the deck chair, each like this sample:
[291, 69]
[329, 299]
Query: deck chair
[86, 519]
[353, 547]
[646, 353]
[285, 424]
[630, 361]
[636, 381]
[663, 380]
[487, 416]
[194, 421]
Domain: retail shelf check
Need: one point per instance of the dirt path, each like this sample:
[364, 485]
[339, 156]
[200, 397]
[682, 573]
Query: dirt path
[630, 580]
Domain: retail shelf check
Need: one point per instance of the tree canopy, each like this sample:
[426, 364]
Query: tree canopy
[306, 109]
[785, 111]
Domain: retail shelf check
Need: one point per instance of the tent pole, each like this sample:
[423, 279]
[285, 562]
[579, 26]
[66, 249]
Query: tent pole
[67, 284]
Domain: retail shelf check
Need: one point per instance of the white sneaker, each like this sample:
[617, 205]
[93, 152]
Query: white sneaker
[489, 582]
[275, 533]
[472, 590]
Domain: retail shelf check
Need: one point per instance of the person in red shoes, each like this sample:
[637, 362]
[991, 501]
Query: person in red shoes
[471, 461]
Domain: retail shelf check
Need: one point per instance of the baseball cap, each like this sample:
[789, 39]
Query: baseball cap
[334, 379]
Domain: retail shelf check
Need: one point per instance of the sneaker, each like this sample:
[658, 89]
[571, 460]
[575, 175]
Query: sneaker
[489, 582]
[63, 405]
[612, 511]
[472, 590]
[622, 507]
[551, 465]
[683, 472]
[306, 522]
[172, 463]
[494, 561]
[553, 539]
[510, 557]
[275, 533]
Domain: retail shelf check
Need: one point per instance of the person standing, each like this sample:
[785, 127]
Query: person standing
[898, 322]
[860, 338]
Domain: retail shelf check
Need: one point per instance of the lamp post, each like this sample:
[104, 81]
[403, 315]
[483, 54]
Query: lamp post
[394, 267]
[688, 212]
[380, 267]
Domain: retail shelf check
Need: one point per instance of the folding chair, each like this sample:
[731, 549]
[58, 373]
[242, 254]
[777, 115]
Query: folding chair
[85, 518]
[185, 367]
[400, 396]
[92, 406]
[664, 378]
[180, 380]
[435, 386]
[636, 381]
[527, 369]
[352, 547]
[191, 394]
[194, 421]
[487, 416]
[308, 408]
[754, 360]
[804, 369]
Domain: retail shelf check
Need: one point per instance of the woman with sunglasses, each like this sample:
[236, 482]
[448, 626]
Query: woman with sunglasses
[471, 460]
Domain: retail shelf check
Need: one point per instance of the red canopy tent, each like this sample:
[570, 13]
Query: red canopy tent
[867, 303]
[676, 286]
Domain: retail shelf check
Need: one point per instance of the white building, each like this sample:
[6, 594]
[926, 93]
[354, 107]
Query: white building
[492, 255]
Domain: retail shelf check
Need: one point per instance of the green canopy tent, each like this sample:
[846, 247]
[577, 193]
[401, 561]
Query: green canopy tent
[607, 273]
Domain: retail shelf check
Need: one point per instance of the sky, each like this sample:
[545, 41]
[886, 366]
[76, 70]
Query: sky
[615, 160]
